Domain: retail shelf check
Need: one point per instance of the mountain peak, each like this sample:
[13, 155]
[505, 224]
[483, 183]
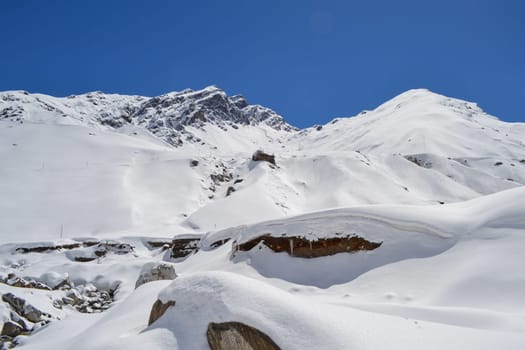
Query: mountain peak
[168, 116]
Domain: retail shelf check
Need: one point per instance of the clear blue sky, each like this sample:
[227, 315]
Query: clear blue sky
[309, 60]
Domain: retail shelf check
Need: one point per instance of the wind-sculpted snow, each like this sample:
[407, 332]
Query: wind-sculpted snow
[101, 164]
[414, 211]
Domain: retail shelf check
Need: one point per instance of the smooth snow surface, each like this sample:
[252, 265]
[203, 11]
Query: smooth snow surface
[435, 179]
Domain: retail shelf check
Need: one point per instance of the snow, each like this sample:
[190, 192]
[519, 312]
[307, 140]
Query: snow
[418, 174]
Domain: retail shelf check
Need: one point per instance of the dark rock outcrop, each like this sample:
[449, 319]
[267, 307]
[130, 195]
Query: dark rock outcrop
[219, 243]
[20, 282]
[12, 329]
[180, 247]
[230, 190]
[47, 248]
[238, 336]
[302, 247]
[21, 307]
[183, 247]
[158, 309]
[259, 155]
[419, 160]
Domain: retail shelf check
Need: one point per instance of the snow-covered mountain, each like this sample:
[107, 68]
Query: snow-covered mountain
[96, 164]
[167, 116]
[400, 227]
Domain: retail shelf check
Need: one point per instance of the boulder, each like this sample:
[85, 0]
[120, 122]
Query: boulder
[11, 329]
[183, 247]
[22, 308]
[158, 309]
[238, 336]
[259, 155]
[155, 272]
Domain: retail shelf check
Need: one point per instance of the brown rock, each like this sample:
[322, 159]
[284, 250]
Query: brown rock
[302, 247]
[11, 329]
[261, 156]
[158, 309]
[238, 336]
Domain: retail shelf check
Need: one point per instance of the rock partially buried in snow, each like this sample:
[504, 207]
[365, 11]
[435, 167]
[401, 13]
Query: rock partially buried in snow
[11, 329]
[238, 336]
[158, 309]
[302, 247]
[21, 307]
[155, 272]
[259, 155]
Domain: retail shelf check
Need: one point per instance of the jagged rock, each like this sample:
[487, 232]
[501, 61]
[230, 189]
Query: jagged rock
[420, 160]
[100, 250]
[15, 302]
[158, 309]
[12, 329]
[155, 272]
[19, 282]
[87, 298]
[238, 336]
[304, 248]
[21, 307]
[32, 314]
[230, 190]
[259, 155]
[219, 243]
[47, 248]
[182, 247]
[114, 247]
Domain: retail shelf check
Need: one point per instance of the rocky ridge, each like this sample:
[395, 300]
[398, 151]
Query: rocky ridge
[170, 116]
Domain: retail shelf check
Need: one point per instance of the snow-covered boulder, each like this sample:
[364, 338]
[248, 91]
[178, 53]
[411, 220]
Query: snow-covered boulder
[155, 272]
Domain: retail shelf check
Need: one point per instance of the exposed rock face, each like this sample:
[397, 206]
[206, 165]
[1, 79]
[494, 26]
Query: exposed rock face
[19, 282]
[182, 247]
[100, 250]
[261, 156]
[166, 116]
[158, 309]
[155, 272]
[421, 160]
[22, 308]
[304, 248]
[238, 336]
[82, 251]
[47, 248]
[12, 329]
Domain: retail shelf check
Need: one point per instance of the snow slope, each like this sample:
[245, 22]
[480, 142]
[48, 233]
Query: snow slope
[445, 276]
[74, 166]
[435, 180]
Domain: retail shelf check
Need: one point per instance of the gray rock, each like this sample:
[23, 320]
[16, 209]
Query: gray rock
[15, 302]
[32, 313]
[22, 308]
[155, 272]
